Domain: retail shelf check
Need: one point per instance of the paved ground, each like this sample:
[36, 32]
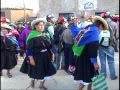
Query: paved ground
[60, 81]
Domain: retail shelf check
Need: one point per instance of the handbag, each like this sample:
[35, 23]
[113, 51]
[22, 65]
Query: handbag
[99, 82]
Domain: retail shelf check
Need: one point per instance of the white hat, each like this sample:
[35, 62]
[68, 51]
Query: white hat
[38, 20]
[7, 20]
[6, 26]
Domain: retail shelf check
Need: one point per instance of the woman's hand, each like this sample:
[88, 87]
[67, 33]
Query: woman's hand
[16, 56]
[53, 57]
[32, 61]
[96, 66]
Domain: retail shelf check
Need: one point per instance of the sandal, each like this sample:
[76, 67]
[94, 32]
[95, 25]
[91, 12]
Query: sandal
[42, 88]
[32, 83]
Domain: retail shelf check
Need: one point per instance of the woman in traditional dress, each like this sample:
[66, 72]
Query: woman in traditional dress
[87, 42]
[8, 50]
[14, 31]
[39, 54]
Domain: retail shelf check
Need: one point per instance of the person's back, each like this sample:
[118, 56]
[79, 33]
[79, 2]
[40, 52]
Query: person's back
[113, 32]
[22, 39]
[58, 32]
[104, 38]
[67, 36]
[113, 25]
[59, 28]
[23, 36]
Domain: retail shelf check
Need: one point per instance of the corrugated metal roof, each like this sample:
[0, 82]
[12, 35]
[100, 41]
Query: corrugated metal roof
[15, 9]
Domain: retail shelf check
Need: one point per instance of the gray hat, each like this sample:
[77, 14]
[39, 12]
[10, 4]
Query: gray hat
[6, 26]
[38, 20]
[12, 24]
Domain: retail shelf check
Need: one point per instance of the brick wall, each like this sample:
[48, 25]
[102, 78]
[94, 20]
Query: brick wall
[18, 14]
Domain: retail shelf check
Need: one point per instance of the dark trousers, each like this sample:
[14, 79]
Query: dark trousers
[69, 56]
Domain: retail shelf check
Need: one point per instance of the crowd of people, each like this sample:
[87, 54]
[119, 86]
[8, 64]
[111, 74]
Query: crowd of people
[70, 44]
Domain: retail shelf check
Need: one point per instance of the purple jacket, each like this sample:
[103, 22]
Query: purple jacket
[23, 36]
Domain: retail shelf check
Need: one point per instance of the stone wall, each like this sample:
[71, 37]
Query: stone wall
[72, 6]
[56, 6]
[109, 5]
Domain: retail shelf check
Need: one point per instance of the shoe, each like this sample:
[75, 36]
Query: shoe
[33, 84]
[114, 78]
[9, 75]
[43, 88]
[62, 67]
[69, 73]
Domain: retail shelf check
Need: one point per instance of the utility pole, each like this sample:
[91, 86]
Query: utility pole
[24, 10]
[39, 8]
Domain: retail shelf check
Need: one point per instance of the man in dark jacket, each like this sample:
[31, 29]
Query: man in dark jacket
[59, 28]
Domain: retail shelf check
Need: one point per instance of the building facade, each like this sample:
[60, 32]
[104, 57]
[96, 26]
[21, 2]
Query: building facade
[74, 6]
[65, 7]
[15, 14]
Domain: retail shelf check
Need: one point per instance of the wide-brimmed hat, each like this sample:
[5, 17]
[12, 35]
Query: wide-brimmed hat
[38, 20]
[12, 24]
[98, 18]
[6, 26]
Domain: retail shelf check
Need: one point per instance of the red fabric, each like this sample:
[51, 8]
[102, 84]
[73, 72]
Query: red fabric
[115, 18]
[105, 15]
[60, 20]
[15, 32]
[3, 20]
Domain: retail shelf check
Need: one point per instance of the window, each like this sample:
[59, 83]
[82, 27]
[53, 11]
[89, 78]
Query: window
[66, 15]
[98, 13]
[3, 14]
